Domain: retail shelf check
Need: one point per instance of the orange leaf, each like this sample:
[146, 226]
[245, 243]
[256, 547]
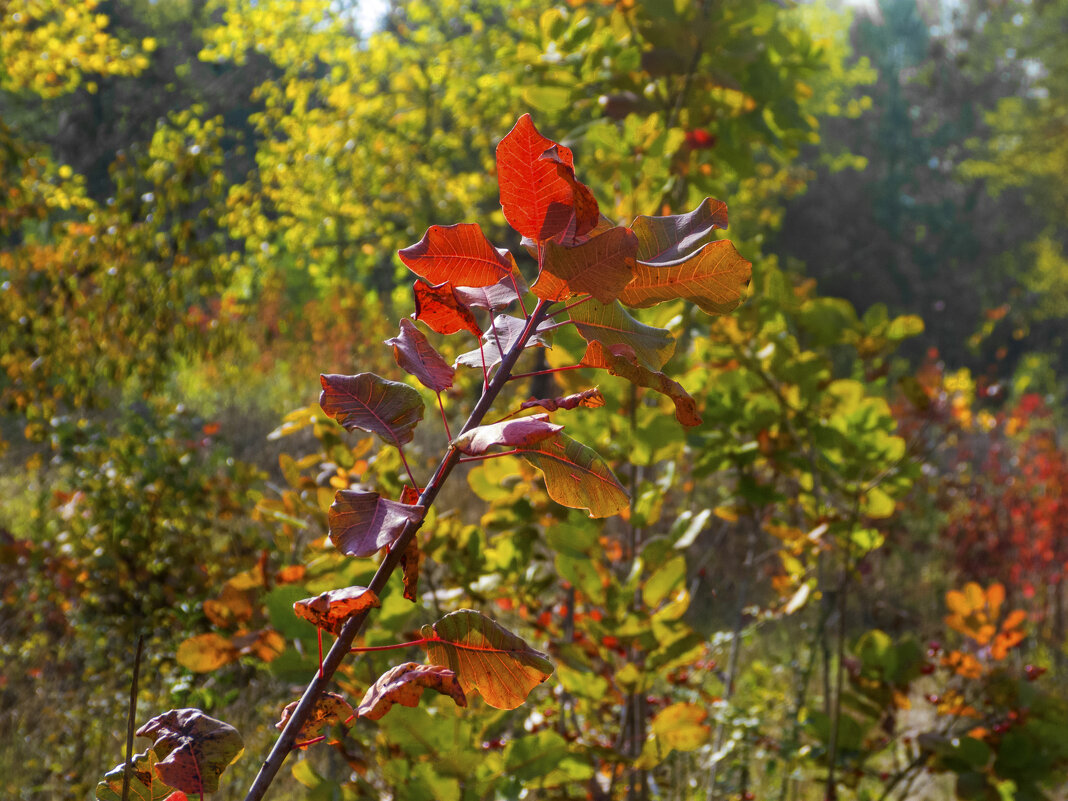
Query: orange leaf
[441, 309]
[459, 254]
[601, 267]
[404, 685]
[330, 709]
[410, 562]
[331, 609]
[590, 398]
[715, 278]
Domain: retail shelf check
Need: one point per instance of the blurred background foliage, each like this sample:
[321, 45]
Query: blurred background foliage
[812, 592]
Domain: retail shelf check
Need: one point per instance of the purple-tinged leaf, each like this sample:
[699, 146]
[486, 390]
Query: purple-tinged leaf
[600, 267]
[362, 523]
[417, 356]
[666, 239]
[515, 433]
[459, 254]
[500, 338]
[493, 297]
[193, 749]
[371, 403]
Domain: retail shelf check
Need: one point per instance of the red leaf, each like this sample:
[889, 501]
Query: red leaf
[601, 267]
[537, 200]
[486, 657]
[493, 297]
[501, 338]
[517, 433]
[459, 254]
[440, 308]
[404, 685]
[368, 402]
[195, 749]
[621, 361]
[362, 523]
[665, 239]
[612, 325]
[331, 609]
[417, 356]
[715, 278]
[590, 398]
[586, 213]
[330, 709]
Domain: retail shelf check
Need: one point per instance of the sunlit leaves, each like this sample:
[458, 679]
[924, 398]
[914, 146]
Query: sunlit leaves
[601, 267]
[575, 476]
[621, 360]
[331, 609]
[330, 710]
[486, 658]
[361, 523]
[368, 402]
[667, 239]
[612, 325]
[404, 684]
[459, 254]
[501, 337]
[193, 749]
[417, 356]
[441, 309]
[715, 278]
[517, 433]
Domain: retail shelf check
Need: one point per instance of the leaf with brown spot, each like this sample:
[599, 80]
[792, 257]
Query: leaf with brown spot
[410, 562]
[371, 403]
[330, 709]
[404, 685]
[362, 523]
[620, 360]
[331, 609]
[441, 309]
[459, 254]
[486, 657]
[612, 325]
[590, 398]
[716, 278]
[576, 477]
[194, 749]
[667, 239]
[417, 357]
[601, 267]
[516, 433]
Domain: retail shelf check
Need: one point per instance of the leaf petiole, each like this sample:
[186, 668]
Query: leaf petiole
[395, 646]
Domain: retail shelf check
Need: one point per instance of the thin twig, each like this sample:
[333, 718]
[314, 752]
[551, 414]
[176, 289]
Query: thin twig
[131, 720]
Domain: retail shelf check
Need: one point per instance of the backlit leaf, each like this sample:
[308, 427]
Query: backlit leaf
[536, 197]
[576, 477]
[331, 609]
[667, 239]
[601, 267]
[715, 278]
[499, 339]
[330, 709]
[621, 360]
[486, 657]
[459, 254]
[585, 212]
[516, 433]
[441, 309]
[417, 356]
[144, 784]
[590, 398]
[492, 297]
[361, 523]
[194, 749]
[365, 401]
[612, 325]
[404, 684]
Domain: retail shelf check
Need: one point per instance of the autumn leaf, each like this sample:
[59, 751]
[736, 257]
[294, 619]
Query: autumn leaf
[206, 652]
[362, 523]
[417, 357]
[365, 401]
[410, 562]
[492, 297]
[586, 214]
[459, 254]
[590, 398]
[330, 610]
[194, 749]
[576, 477]
[231, 608]
[442, 310]
[330, 709]
[667, 239]
[501, 338]
[621, 360]
[601, 267]
[715, 278]
[486, 657]
[516, 433]
[536, 197]
[144, 784]
[612, 325]
[404, 685]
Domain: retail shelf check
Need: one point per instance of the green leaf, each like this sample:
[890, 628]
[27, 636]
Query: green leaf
[366, 401]
[612, 325]
[664, 581]
[575, 476]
